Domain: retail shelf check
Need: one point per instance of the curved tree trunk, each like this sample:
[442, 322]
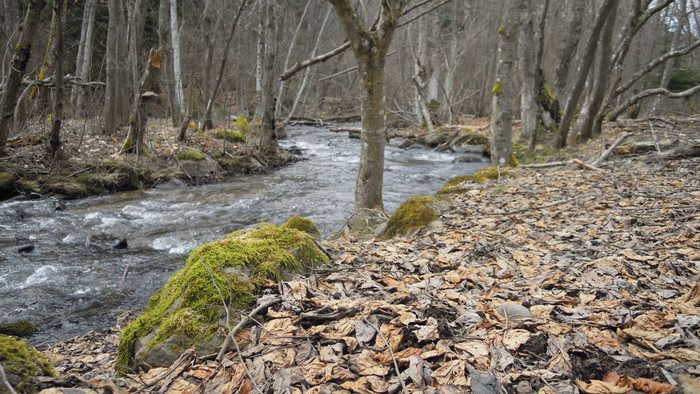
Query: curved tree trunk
[23, 51]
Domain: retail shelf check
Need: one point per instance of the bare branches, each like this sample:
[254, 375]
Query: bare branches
[652, 92]
[310, 62]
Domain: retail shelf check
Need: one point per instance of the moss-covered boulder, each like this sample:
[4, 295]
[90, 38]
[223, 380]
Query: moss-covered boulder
[437, 137]
[22, 364]
[7, 184]
[454, 185]
[191, 154]
[189, 310]
[22, 329]
[242, 123]
[470, 142]
[303, 224]
[414, 214]
[111, 176]
[200, 166]
[240, 164]
[234, 136]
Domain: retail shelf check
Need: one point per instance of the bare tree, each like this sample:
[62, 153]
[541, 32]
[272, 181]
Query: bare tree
[681, 18]
[55, 137]
[168, 67]
[529, 67]
[83, 61]
[20, 59]
[567, 50]
[263, 133]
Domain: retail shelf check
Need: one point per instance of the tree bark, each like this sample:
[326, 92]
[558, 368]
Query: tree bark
[263, 133]
[135, 24]
[167, 66]
[83, 62]
[23, 51]
[501, 107]
[567, 50]
[8, 35]
[55, 137]
[147, 90]
[116, 111]
[370, 48]
[582, 73]
[600, 80]
[527, 52]
[292, 43]
[177, 71]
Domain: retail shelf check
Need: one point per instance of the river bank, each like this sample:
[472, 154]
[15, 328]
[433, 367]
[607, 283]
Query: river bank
[605, 261]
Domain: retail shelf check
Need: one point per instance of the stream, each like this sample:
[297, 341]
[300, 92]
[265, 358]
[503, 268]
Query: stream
[67, 284]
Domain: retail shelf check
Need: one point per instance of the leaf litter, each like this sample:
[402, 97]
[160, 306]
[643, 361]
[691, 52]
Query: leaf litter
[557, 281]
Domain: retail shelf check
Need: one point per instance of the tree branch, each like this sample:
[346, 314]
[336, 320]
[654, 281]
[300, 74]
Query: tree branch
[652, 92]
[298, 66]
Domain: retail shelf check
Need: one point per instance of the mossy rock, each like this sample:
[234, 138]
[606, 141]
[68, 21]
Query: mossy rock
[242, 123]
[7, 184]
[437, 137]
[234, 136]
[303, 224]
[188, 309]
[22, 364]
[111, 176]
[191, 154]
[68, 188]
[471, 142]
[239, 164]
[416, 213]
[489, 173]
[22, 329]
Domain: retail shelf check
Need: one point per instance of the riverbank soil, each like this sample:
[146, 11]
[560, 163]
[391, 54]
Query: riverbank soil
[91, 160]
[565, 279]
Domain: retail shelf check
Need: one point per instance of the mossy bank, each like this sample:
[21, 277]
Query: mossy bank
[189, 308]
[22, 364]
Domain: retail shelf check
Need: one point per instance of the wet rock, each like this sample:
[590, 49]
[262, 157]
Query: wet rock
[294, 150]
[171, 184]
[26, 249]
[513, 312]
[22, 329]
[437, 137]
[105, 241]
[201, 168]
[469, 142]
[467, 159]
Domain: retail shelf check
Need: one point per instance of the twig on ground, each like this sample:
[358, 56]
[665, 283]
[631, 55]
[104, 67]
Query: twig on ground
[4, 380]
[391, 351]
[126, 272]
[245, 320]
[172, 369]
[610, 150]
[591, 167]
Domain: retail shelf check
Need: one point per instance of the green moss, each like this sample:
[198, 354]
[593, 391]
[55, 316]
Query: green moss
[242, 123]
[411, 215]
[236, 164]
[488, 173]
[302, 224]
[22, 328]
[194, 126]
[497, 88]
[129, 146]
[234, 136]
[191, 155]
[7, 183]
[502, 31]
[189, 304]
[24, 361]
[513, 162]
[549, 92]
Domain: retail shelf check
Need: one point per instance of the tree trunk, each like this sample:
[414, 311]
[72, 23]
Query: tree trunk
[264, 137]
[55, 138]
[292, 43]
[147, 90]
[135, 24]
[116, 111]
[22, 52]
[567, 50]
[529, 106]
[501, 107]
[600, 79]
[83, 62]
[177, 71]
[422, 75]
[8, 35]
[582, 74]
[167, 66]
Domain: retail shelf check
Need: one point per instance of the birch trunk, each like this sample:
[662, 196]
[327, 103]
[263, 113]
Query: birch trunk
[177, 71]
[422, 74]
[681, 18]
[501, 107]
[57, 115]
[22, 51]
[167, 67]
[84, 60]
[116, 111]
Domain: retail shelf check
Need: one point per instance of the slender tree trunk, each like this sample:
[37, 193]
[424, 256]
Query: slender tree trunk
[264, 137]
[210, 25]
[681, 18]
[305, 80]
[167, 67]
[292, 43]
[116, 111]
[135, 23]
[148, 88]
[501, 107]
[84, 60]
[600, 78]
[422, 74]
[242, 80]
[529, 105]
[177, 71]
[567, 50]
[8, 35]
[582, 73]
[55, 139]
[22, 52]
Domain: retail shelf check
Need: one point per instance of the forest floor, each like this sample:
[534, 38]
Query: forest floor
[557, 280]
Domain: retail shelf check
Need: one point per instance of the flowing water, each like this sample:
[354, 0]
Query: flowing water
[68, 284]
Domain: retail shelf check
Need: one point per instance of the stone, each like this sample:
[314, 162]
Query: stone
[513, 312]
[467, 159]
[436, 138]
[201, 168]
